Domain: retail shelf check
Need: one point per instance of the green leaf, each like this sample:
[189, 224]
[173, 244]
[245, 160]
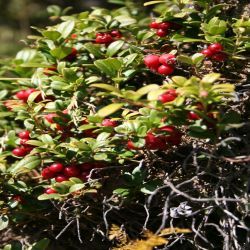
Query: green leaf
[184, 59]
[216, 26]
[180, 38]
[60, 52]
[43, 197]
[127, 60]
[109, 66]
[146, 89]
[153, 2]
[47, 139]
[26, 164]
[125, 20]
[197, 58]
[4, 222]
[94, 49]
[106, 87]
[41, 245]
[110, 109]
[76, 187]
[114, 47]
[211, 78]
[122, 191]
[51, 34]
[66, 28]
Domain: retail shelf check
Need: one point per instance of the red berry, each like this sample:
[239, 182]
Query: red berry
[50, 117]
[103, 38]
[165, 70]
[71, 171]
[109, 123]
[19, 152]
[154, 25]
[207, 52]
[152, 61]
[116, 33]
[220, 57]
[215, 47]
[50, 191]
[73, 36]
[22, 95]
[131, 145]
[193, 116]
[174, 136]
[61, 178]
[154, 142]
[47, 174]
[28, 149]
[56, 167]
[24, 134]
[168, 96]
[167, 59]
[161, 32]
[165, 25]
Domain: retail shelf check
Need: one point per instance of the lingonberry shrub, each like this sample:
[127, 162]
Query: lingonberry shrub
[101, 115]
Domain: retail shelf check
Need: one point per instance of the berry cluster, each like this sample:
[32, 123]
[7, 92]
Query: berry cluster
[107, 37]
[61, 173]
[215, 51]
[24, 95]
[159, 142]
[163, 28]
[25, 148]
[162, 64]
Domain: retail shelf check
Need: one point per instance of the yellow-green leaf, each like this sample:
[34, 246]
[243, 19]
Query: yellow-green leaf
[110, 109]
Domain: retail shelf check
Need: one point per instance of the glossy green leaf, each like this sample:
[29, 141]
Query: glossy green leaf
[110, 109]
[114, 47]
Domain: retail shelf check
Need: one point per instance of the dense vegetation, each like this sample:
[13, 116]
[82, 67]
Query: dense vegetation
[127, 129]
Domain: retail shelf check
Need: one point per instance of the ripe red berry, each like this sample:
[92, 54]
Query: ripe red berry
[131, 145]
[71, 171]
[161, 32]
[168, 96]
[165, 70]
[215, 47]
[154, 25]
[19, 152]
[56, 167]
[18, 198]
[167, 59]
[152, 61]
[50, 117]
[103, 38]
[73, 36]
[22, 95]
[174, 136]
[50, 191]
[47, 174]
[109, 123]
[219, 57]
[207, 52]
[24, 134]
[165, 25]
[116, 33]
[61, 178]
[193, 116]
[154, 142]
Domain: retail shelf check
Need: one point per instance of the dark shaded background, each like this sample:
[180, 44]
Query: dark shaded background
[16, 17]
